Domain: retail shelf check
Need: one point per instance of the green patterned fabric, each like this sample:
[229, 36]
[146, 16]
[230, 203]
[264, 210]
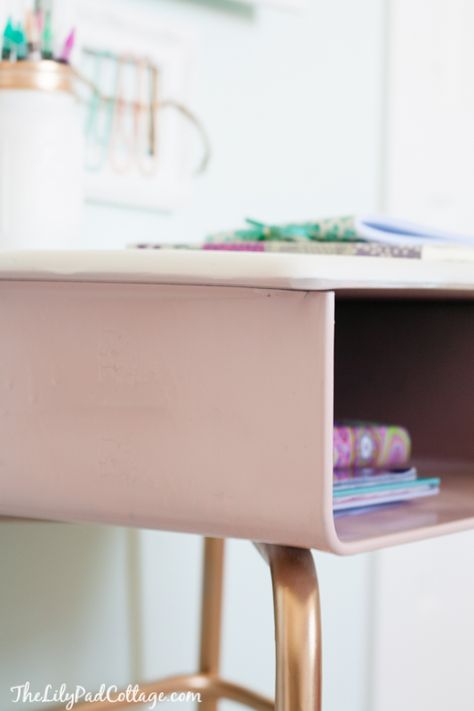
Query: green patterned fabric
[334, 229]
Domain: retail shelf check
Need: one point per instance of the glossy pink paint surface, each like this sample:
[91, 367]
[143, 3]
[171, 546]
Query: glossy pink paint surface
[185, 408]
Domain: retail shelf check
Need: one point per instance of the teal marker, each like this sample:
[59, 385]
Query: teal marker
[47, 38]
[20, 43]
[7, 41]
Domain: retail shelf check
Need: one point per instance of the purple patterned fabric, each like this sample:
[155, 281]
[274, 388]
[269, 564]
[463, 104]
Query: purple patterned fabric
[370, 445]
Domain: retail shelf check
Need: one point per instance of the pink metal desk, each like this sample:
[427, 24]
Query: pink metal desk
[196, 392]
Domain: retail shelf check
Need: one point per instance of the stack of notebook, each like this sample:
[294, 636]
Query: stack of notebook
[371, 467]
[350, 236]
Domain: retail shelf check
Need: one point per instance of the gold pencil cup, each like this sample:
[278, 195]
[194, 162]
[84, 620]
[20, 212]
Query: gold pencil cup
[43, 75]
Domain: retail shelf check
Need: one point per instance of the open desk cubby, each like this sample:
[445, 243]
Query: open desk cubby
[411, 361]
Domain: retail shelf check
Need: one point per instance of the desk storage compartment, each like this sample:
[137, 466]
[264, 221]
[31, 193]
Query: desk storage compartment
[411, 362]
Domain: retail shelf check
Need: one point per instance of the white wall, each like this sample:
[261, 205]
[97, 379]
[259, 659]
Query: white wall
[430, 142]
[425, 626]
[293, 104]
[65, 596]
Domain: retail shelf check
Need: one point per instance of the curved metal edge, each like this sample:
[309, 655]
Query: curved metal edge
[297, 627]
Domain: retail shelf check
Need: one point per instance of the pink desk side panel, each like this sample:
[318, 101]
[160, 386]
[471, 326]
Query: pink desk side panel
[201, 409]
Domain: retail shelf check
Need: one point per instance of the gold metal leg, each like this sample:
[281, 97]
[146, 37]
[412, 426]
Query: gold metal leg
[297, 633]
[211, 613]
[297, 628]
[207, 681]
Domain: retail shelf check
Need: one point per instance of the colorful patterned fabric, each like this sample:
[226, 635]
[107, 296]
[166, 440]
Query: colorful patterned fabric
[370, 445]
[333, 229]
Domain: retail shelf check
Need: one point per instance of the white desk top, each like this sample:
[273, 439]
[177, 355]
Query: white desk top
[441, 271]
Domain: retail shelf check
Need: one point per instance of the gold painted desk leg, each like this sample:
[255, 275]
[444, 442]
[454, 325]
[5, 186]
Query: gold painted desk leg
[207, 681]
[297, 628]
[211, 613]
[297, 633]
